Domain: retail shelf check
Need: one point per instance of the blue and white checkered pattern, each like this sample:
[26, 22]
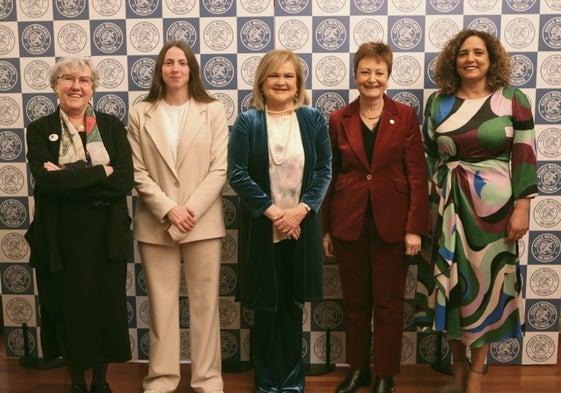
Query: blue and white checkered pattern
[123, 38]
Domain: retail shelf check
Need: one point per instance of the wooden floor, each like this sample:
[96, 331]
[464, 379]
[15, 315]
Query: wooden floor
[127, 378]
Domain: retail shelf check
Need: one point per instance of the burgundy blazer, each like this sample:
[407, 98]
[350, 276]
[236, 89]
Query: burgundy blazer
[396, 181]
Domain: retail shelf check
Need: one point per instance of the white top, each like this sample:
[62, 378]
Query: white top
[174, 118]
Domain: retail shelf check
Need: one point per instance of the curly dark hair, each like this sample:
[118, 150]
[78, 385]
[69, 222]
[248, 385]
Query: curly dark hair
[446, 75]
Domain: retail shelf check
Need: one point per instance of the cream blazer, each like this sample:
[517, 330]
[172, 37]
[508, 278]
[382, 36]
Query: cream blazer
[196, 179]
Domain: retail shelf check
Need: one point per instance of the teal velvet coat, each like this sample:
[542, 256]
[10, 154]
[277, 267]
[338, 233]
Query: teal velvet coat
[248, 174]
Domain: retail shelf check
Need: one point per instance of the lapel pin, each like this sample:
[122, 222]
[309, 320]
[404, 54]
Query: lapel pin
[392, 121]
[53, 137]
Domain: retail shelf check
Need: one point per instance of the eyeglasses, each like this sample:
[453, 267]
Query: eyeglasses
[84, 81]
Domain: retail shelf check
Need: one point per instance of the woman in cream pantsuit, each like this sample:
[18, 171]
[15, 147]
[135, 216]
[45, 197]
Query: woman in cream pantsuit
[179, 137]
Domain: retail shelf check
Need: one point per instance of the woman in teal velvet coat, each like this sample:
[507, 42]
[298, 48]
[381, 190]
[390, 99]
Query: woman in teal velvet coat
[279, 163]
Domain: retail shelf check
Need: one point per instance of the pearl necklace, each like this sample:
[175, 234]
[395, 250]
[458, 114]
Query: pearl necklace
[276, 160]
[279, 112]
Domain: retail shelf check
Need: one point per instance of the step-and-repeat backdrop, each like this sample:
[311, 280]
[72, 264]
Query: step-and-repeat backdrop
[123, 38]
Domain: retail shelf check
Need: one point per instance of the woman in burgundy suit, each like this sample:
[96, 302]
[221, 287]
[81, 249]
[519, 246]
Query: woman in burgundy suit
[374, 214]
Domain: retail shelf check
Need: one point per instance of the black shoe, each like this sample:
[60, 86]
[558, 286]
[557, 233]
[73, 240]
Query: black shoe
[79, 388]
[100, 387]
[383, 385]
[354, 380]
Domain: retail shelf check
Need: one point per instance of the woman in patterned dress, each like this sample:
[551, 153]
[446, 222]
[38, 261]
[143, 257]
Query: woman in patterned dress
[479, 139]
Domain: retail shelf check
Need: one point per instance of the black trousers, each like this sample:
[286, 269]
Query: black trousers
[277, 335]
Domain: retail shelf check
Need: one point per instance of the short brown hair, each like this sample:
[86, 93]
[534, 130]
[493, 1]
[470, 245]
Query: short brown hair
[376, 49]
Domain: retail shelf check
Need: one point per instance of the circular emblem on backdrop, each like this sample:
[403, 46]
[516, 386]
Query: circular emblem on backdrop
[142, 71]
[293, 34]
[331, 34]
[36, 74]
[17, 279]
[521, 248]
[180, 7]
[108, 37]
[248, 316]
[9, 111]
[111, 73]
[254, 6]
[368, 30]
[10, 145]
[11, 179]
[408, 99]
[304, 347]
[441, 30]
[331, 281]
[546, 247]
[549, 142]
[107, 7]
[554, 4]
[19, 310]
[406, 33]
[16, 342]
[130, 313]
[550, 33]
[144, 344]
[218, 35]
[182, 30]
[544, 281]
[484, 24]
[132, 342]
[369, 6]
[331, 6]
[406, 70]
[551, 70]
[328, 315]
[249, 66]
[228, 247]
[520, 5]
[245, 102]
[144, 7]
[70, 9]
[292, 6]
[138, 99]
[228, 312]
[8, 40]
[219, 71]
[228, 344]
[255, 34]
[408, 315]
[519, 33]
[540, 348]
[410, 282]
[305, 315]
[482, 5]
[427, 348]
[184, 312]
[522, 69]
[543, 315]
[145, 36]
[228, 103]
[329, 102]
[185, 345]
[34, 8]
[444, 5]
[406, 348]
[549, 176]
[141, 281]
[36, 39]
[320, 346]
[505, 351]
[128, 281]
[72, 38]
[331, 71]
[305, 68]
[229, 212]
[39, 106]
[547, 213]
[112, 104]
[14, 246]
[6, 8]
[550, 105]
[406, 5]
[144, 312]
[217, 6]
[228, 280]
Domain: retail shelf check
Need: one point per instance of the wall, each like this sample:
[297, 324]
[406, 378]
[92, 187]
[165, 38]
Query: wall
[123, 37]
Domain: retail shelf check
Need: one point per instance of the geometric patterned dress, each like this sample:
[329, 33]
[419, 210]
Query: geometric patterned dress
[481, 157]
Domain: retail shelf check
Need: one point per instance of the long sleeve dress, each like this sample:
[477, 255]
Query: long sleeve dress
[481, 156]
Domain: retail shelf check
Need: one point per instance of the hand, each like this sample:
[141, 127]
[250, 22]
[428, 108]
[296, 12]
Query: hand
[108, 170]
[289, 221]
[49, 166]
[518, 224]
[412, 243]
[328, 248]
[183, 217]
